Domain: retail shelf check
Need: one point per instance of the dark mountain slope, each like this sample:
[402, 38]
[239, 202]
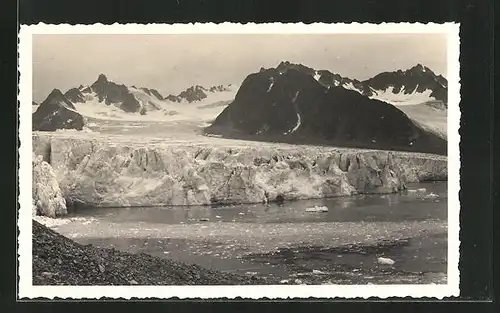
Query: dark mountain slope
[56, 112]
[291, 106]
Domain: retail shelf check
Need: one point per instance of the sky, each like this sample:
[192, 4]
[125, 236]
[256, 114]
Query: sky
[172, 63]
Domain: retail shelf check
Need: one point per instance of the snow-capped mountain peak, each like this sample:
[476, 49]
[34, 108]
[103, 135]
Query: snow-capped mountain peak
[418, 84]
[108, 100]
[56, 112]
[198, 93]
[57, 99]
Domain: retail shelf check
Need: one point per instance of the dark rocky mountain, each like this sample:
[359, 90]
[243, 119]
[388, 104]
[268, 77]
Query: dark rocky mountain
[75, 95]
[115, 94]
[292, 106]
[173, 98]
[219, 88]
[112, 93]
[196, 93]
[192, 94]
[417, 79]
[56, 112]
[151, 92]
[286, 65]
[154, 92]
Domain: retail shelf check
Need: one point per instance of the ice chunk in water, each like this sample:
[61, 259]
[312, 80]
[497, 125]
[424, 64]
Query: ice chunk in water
[317, 209]
[385, 261]
[431, 195]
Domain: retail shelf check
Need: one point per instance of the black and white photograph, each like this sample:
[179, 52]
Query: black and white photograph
[273, 160]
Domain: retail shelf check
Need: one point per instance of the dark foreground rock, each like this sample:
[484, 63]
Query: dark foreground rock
[58, 260]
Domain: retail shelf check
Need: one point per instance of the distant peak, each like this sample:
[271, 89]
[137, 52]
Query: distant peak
[56, 93]
[102, 78]
[284, 66]
[56, 96]
[420, 68]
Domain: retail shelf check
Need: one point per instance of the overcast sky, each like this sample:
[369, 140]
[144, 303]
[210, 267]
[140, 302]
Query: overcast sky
[171, 63]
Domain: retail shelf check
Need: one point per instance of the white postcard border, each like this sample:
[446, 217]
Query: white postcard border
[26, 290]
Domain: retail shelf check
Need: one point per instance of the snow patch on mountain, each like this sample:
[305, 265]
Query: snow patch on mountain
[402, 97]
[416, 85]
[297, 125]
[106, 100]
[350, 86]
[317, 76]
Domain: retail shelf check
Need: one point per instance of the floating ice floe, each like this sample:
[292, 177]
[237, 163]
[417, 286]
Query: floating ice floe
[385, 261]
[431, 195]
[317, 209]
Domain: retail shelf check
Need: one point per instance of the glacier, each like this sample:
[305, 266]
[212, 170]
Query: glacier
[122, 173]
[47, 198]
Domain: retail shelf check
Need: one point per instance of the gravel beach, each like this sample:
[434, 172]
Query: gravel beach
[58, 260]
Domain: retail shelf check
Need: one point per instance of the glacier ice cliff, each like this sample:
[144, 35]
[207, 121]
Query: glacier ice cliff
[116, 174]
[47, 199]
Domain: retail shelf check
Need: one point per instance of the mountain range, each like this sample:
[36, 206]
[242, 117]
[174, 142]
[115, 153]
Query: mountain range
[291, 102]
[133, 99]
[416, 85]
[105, 99]
[296, 104]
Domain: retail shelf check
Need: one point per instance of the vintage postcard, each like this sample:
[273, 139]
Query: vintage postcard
[228, 160]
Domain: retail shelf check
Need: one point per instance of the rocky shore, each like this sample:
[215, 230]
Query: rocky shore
[58, 260]
[112, 173]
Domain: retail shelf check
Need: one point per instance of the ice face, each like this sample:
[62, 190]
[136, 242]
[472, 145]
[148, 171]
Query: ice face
[48, 199]
[113, 172]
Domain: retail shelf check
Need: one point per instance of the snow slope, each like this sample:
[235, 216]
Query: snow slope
[428, 117]
[156, 110]
[402, 98]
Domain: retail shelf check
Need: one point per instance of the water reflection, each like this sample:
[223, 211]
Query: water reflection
[338, 246]
[407, 206]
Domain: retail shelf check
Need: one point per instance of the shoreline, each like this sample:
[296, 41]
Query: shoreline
[222, 238]
[99, 266]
